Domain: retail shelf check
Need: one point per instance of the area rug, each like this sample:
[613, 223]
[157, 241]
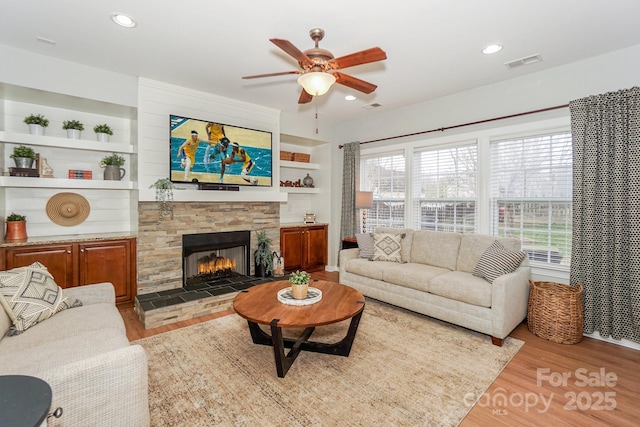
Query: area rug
[404, 369]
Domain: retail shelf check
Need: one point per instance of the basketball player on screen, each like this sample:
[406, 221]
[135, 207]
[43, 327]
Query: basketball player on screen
[247, 163]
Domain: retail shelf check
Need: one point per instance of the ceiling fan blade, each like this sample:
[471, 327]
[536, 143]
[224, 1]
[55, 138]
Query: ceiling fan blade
[363, 57]
[271, 74]
[354, 83]
[296, 53]
[304, 97]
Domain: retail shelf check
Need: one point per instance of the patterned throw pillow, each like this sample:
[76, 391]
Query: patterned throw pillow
[387, 247]
[365, 244]
[496, 261]
[30, 295]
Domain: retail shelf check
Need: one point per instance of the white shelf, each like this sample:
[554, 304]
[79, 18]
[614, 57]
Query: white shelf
[299, 165]
[180, 195]
[30, 182]
[57, 142]
[300, 190]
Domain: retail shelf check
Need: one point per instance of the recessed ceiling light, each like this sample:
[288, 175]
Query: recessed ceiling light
[123, 20]
[492, 48]
[350, 98]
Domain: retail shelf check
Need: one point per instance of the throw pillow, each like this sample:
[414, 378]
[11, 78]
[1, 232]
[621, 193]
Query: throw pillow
[496, 261]
[387, 247]
[29, 295]
[365, 244]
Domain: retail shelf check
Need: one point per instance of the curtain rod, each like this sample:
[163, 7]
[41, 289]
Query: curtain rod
[442, 129]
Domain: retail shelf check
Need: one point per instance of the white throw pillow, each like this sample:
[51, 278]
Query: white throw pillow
[29, 295]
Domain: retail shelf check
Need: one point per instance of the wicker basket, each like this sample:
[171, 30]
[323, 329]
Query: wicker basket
[286, 155]
[555, 312]
[301, 157]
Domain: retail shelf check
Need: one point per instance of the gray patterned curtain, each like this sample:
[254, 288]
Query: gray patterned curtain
[606, 211]
[350, 184]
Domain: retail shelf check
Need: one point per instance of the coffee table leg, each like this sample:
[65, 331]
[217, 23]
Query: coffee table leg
[284, 362]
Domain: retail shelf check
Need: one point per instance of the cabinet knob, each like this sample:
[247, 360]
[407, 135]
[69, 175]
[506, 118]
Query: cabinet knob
[81, 250]
[68, 252]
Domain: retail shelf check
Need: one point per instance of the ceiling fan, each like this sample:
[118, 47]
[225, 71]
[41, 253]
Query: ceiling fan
[318, 68]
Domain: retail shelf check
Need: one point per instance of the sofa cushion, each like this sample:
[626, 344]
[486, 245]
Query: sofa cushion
[61, 352]
[29, 295]
[365, 245]
[86, 319]
[435, 248]
[366, 268]
[410, 275]
[472, 246]
[496, 261]
[463, 287]
[405, 251]
[387, 247]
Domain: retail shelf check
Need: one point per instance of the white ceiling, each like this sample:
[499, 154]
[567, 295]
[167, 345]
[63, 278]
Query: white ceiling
[433, 46]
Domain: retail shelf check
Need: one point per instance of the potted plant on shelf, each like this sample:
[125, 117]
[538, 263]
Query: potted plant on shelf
[16, 228]
[23, 156]
[113, 170]
[103, 132]
[263, 256]
[73, 128]
[164, 195]
[36, 123]
[299, 284]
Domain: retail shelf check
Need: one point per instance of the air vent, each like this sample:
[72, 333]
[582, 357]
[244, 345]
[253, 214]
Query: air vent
[524, 61]
[372, 106]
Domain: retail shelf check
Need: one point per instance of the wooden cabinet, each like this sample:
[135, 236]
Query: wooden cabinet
[81, 263]
[304, 248]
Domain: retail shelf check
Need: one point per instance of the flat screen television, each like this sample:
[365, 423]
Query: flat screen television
[210, 152]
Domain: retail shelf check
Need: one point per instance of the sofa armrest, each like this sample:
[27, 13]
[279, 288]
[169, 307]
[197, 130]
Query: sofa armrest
[93, 294]
[346, 255]
[106, 390]
[509, 301]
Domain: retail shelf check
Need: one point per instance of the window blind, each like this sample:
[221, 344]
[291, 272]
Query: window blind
[384, 175]
[531, 194]
[445, 188]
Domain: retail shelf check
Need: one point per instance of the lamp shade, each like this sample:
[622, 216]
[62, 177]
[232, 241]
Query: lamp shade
[316, 83]
[364, 199]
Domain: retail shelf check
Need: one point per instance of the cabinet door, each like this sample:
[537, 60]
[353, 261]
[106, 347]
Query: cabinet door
[316, 248]
[109, 261]
[291, 244]
[57, 258]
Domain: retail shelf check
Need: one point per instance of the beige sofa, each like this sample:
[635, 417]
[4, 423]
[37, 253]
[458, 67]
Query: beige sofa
[436, 280]
[83, 353]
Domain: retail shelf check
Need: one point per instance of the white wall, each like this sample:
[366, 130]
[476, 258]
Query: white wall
[557, 86]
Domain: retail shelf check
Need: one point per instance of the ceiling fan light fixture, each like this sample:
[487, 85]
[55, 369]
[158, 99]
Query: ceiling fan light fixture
[316, 83]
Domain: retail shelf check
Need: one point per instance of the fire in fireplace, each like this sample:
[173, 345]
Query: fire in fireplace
[208, 257]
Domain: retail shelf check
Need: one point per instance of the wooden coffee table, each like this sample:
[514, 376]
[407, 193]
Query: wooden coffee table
[259, 305]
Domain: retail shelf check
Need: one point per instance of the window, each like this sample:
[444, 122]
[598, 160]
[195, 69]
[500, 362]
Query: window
[384, 175]
[531, 193]
[445, 188]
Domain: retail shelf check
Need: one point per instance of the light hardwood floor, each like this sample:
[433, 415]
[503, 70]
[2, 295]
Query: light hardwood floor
[592, 383]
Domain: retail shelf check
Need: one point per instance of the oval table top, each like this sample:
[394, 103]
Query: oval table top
[259, 304]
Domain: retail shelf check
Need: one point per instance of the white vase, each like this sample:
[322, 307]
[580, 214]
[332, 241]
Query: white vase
[102, 137]
[36, 129]
[73, 133]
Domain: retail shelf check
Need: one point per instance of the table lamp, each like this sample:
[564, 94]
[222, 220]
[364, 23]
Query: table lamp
[364, 201]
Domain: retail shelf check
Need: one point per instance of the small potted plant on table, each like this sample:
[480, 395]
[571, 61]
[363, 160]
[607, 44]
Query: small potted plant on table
[73, 128]
[36, 123]
[16, 228]
[103, 132]
[299, 284]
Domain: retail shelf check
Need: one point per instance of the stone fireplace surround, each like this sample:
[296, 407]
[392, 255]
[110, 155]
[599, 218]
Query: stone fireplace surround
[160, 249]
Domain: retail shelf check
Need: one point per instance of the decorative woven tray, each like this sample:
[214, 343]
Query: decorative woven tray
[286, 297]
